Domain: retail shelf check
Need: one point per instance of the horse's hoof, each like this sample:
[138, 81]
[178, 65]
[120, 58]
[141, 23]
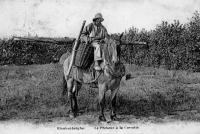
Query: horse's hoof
[73, 115]
[102, 118]
[113, 117]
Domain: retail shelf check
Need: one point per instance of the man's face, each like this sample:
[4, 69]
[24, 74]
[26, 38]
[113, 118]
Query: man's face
[97, 22]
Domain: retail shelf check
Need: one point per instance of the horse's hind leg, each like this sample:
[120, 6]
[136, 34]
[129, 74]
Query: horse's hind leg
[74, 105]
[72, 87]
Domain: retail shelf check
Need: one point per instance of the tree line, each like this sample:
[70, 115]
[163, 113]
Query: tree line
[170, 45]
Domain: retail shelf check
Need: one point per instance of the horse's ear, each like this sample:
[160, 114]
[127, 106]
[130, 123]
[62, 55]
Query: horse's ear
[121, 35]
[108, 36]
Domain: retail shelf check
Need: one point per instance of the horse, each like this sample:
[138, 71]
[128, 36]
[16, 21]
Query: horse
[108, 79]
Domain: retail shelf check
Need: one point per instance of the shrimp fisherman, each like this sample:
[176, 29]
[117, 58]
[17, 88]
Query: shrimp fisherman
[94, 34]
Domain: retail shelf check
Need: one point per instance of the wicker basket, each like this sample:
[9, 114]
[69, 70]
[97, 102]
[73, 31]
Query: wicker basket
[84, 56]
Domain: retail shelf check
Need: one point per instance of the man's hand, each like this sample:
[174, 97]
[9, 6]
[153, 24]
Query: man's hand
[91, 39]
[95, 38]
[98, 38]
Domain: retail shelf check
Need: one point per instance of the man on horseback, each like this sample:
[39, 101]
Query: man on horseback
[94, 34]
[106, 78]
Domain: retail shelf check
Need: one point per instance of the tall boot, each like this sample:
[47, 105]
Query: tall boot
[97, 73]
[97, 66]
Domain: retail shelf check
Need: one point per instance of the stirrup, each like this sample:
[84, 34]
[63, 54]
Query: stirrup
[97, 68]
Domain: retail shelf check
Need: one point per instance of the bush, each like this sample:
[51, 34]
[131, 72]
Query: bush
[170, 45]
[20, 52]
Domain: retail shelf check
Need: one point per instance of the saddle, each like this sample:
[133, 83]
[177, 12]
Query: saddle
[86, 76]
[83, 69]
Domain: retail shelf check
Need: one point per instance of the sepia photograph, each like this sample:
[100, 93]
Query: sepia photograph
[99, 66]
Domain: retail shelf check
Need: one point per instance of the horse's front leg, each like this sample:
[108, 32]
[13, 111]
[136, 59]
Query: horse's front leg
[113, 109]
[102, 89]
[113, 104]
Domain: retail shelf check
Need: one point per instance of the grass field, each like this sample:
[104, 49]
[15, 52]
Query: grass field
[34, 92]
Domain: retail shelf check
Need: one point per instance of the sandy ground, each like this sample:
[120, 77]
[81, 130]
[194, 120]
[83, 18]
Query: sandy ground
[63, 127]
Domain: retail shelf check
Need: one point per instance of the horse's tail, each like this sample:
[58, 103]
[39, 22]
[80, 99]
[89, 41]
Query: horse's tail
[65, 78]
[64, 86]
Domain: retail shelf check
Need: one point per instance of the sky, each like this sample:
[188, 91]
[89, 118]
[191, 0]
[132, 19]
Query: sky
[63, 18]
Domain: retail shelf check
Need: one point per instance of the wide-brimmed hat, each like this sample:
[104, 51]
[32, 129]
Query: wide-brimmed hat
[98, 16]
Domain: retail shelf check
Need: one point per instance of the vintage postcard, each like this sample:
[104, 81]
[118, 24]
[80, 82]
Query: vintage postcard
[99, 66]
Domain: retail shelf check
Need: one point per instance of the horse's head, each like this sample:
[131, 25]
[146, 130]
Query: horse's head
[111, 51]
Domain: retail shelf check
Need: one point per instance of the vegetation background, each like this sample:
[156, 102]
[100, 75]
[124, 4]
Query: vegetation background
[170, 45]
